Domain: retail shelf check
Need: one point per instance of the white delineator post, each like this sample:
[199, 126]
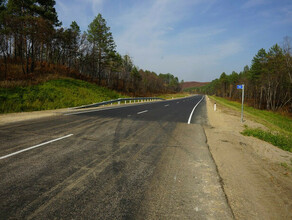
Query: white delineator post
[242, 103]
[215, 106]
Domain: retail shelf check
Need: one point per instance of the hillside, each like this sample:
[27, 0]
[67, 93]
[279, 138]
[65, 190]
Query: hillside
[193, 84]
[53, 94]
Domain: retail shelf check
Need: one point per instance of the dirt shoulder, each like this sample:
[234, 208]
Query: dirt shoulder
[256, 185]
[23, 116]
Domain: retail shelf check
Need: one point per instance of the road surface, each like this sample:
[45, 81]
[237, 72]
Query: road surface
[139, 161]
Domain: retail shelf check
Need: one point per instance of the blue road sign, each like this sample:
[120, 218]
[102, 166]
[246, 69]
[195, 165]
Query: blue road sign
[239, 86]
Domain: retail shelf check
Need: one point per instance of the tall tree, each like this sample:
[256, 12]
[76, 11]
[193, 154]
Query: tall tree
[75, 42]
[255, 76]
[233, 78]
[32, 20]
[287, 49]
[224, 83]
[103, 44]
[46, 9]
[4, 36]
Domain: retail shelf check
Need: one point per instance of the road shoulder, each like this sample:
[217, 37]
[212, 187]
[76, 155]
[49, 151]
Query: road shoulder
[185, 184]
[256, 185]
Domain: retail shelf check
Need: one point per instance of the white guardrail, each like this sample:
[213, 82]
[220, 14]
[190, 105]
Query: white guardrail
[134, 100]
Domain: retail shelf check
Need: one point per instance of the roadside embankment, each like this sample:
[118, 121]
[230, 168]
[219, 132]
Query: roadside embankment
[256, 176]
[53, 94]
[278, 127]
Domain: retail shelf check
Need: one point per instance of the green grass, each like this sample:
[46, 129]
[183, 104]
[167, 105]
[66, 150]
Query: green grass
[280, 126]
[282, 141]
[53, 94]
[272, 120]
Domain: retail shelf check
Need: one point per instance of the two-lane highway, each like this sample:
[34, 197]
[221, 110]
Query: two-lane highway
[140, 161]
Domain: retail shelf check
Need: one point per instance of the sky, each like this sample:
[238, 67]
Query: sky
[195, 40]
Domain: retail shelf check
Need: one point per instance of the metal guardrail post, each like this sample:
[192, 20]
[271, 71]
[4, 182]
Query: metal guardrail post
[103, 103]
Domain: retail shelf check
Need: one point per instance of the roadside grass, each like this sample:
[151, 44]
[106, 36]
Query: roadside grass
[280, 127]
[287, 166]
[53, 94]
[272, 120]
[282, 141]
[176, 95]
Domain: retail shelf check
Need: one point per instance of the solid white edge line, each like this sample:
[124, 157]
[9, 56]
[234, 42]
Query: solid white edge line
[191, 115]
[166, 105]
[142, 112]
[30, 148]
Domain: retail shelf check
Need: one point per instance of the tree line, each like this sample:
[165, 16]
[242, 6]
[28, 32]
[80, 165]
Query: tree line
[33, 42]
[268, 81]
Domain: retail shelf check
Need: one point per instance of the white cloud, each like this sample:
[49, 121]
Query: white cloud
[228, 48]
[155, 35]
[96, 5]
[151, 36]
[73, 12]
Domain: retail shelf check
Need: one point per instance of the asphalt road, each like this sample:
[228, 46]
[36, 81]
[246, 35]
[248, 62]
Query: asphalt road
[141, 161]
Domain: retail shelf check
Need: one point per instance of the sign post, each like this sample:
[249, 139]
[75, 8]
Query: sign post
[242, 99]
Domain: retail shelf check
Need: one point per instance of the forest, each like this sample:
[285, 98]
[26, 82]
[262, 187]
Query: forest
[268, 81]
[33, 44]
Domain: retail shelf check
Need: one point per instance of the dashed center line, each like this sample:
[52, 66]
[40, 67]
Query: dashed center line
[166, 105]
[30, 148]
[142, 112]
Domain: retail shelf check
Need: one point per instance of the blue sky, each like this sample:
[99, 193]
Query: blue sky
[195, 40]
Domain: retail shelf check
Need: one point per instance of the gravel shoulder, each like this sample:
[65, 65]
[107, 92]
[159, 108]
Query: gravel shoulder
[24, 116]
[9, 118]
[255, 183]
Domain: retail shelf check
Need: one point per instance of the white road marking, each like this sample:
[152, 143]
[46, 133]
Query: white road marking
[103, 109]
[96, 110]
[166, 105]
[142, 112]
[177, 102]
[191, 115]
[30, 148]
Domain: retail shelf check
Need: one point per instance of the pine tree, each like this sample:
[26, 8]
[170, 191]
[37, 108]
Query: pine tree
[103, 44]
[46, 9]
